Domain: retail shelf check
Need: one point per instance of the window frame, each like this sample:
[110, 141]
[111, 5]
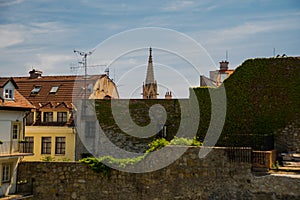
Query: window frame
[29, 144]
[30, 118]
[15, 131]
[46, 145]
[47, 118]
[60, 145]
[90, 130]
[36, 89]
[6, 172]
[61, 118]
[8, 93]
[54, 89]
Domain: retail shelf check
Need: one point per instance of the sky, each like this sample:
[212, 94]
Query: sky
[189, 38]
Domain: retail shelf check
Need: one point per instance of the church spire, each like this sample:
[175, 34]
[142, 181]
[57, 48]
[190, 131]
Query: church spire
[150, 73]
[150, 86]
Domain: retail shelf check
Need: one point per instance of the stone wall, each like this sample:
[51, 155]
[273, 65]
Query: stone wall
[139, 113]
[216, 176]
[288, 138]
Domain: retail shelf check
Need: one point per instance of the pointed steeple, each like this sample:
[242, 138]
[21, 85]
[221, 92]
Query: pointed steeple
[150, 86]
[150, 73]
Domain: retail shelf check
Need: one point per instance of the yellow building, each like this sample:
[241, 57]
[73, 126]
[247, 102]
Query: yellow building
[50, 131]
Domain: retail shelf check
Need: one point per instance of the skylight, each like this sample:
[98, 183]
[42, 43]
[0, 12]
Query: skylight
[54, 89]
[36, 89]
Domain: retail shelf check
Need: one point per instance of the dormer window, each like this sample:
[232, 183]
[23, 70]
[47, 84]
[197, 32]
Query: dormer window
[53, 89]
[36, 89]
[8, 94]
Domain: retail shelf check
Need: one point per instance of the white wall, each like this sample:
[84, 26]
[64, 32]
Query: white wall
[6, 117]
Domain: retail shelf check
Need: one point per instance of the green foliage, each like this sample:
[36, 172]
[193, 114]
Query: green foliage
[185, 141]
[162, 142]
[276, 165]
[157, 144]
[65, 160]
[262, 97]
[48, 159]
[96, 165]
[22, 182]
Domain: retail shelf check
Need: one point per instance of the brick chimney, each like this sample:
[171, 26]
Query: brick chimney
[224, 65]
[35, 74]
[168, 95]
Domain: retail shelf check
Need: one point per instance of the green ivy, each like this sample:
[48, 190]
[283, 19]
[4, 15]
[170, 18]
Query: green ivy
[185, 141]
[262, 97]
[157, 144]
[48, 159]
[97, 164]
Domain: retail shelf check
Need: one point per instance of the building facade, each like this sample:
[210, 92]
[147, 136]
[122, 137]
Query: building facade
[13, 109]
[50, 128]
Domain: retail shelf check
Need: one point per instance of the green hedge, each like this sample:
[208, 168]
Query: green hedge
[262, 96]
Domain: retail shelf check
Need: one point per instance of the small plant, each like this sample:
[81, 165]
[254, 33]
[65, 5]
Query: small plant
[48, 159]
[65, 160]
[185, 141]
[157, 144]
[22, 182]
[96, 165]
[276, 165]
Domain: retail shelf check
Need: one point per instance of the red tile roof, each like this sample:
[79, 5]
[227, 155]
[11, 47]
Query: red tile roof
[69, 87]
[19, 103]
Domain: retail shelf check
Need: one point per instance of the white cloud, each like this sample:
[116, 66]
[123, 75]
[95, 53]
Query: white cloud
[243, 31]
[51, 63]
[33, 33]
[179, 5]
[9, 2]
[10, 34]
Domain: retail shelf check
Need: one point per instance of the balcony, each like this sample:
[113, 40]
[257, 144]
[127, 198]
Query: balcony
[12, 149]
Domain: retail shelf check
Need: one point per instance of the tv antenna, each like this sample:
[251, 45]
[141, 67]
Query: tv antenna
[226, 55]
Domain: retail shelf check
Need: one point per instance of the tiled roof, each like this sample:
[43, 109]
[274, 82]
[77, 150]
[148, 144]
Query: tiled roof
[19, 102]
[68, 87]
[5, 80]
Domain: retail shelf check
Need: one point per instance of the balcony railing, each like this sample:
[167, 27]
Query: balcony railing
[11, 148]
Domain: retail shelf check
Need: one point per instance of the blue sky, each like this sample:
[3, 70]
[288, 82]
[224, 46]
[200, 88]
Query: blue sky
[43, 34]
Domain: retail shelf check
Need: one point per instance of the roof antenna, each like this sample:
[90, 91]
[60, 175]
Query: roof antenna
[226, 55]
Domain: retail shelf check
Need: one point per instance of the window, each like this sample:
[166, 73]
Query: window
[60, 145]
[46, 145]
[8, 94]
[36, 89]
[62, 117]
[6, 173]
[53, 89]
[15, 130]
[28, 146]
[29, 118]
[48, 116]
[90, 128]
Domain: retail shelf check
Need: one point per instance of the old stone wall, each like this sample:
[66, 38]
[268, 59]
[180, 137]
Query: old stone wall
[288, 139]
[216, 176]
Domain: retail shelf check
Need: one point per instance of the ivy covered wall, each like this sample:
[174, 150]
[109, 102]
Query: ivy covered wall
[263, 95]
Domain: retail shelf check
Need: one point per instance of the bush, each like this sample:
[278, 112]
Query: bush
[157, 144]
[185, 141]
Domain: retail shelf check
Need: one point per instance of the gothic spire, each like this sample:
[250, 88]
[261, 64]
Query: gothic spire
[150, 73]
